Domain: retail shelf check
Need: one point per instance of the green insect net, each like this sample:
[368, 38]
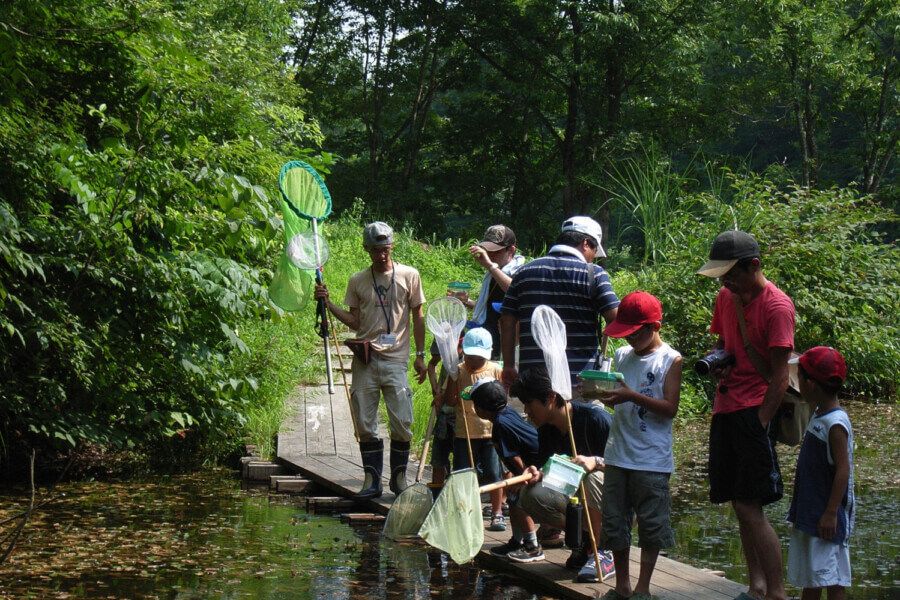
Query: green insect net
[304, 200]
[455, 524]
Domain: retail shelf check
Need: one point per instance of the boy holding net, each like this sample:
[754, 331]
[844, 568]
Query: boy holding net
[445, 420]
[476, 365]
[516, 442]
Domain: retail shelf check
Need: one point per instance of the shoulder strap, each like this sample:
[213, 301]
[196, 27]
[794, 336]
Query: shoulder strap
[759, 363]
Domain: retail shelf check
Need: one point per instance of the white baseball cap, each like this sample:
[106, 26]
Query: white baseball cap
[587, 226]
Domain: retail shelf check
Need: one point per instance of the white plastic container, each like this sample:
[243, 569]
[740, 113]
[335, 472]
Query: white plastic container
[593, 382]
[562, 475]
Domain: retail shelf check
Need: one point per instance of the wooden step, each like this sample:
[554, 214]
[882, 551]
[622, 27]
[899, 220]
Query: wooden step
[260, 471]
[352, 518]
[296, 485]
[328, 503]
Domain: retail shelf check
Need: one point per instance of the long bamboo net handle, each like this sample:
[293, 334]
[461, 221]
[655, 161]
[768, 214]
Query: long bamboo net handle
[466, 426]
[337, 350]
[499, 485]
[584, 496]
[428, 431]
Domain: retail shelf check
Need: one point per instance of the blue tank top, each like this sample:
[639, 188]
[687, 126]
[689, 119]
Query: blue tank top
[815, 475]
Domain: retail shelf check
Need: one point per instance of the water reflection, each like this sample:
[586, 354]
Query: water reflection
[200, 536]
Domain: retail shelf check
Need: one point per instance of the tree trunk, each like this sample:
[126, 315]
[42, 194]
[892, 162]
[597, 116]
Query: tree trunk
[572, 200]
[877, 158]
[421, 105]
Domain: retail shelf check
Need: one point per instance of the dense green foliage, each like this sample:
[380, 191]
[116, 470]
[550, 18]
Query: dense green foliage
[140, 142]
[458, 113]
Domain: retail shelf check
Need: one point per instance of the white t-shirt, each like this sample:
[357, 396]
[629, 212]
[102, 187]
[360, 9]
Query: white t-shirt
[641, 439]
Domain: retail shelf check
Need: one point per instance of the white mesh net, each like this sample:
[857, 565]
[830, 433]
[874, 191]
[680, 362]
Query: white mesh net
[549, 332]
[301, 250]
[446, 318]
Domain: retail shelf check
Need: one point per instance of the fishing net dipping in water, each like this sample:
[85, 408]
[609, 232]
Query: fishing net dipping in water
[408, 512]
[455, 524]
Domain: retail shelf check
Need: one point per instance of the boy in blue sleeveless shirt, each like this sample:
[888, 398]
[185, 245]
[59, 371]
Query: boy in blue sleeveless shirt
[823, 506]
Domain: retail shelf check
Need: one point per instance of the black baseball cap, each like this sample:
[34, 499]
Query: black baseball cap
[727, 249]
[489, 394]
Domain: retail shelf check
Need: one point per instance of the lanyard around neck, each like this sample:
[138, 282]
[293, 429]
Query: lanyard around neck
[382, 294]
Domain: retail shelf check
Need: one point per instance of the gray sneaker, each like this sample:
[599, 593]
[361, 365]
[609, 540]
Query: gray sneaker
[498, 523]
[527, 553]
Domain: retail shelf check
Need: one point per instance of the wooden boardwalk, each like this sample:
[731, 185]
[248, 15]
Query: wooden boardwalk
[317, 441]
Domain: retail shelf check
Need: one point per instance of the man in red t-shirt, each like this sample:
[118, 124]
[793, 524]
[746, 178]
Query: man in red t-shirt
[743, 468]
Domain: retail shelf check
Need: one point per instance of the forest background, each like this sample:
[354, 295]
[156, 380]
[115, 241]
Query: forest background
[140, 142]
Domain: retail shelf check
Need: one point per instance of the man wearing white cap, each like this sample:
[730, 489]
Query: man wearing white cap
[567, 281]
[381, 300]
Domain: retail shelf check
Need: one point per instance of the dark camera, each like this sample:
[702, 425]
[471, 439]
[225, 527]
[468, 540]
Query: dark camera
[715, 360]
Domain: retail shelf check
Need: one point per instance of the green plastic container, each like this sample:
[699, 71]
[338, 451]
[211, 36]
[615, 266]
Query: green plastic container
[459, 286]
[593, 382]
[562, 475]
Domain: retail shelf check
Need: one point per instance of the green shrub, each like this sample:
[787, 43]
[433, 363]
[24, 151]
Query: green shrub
[138, 155]
[819, 247]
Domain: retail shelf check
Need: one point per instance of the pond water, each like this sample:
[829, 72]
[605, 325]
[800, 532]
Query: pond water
[202, 536]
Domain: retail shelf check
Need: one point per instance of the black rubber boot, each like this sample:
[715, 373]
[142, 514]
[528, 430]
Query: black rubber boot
[399, 458]
[373, 463]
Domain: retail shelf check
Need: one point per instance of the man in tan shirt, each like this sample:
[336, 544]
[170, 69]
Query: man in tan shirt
[381, 299]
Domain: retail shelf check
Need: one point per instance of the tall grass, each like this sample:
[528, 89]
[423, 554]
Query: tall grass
[650, 192]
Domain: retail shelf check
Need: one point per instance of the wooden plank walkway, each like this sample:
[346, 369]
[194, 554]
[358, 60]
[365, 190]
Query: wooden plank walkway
[317, 441]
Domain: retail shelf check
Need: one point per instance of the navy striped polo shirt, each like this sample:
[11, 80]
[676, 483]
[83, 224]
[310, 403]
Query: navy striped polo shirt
[579, 293]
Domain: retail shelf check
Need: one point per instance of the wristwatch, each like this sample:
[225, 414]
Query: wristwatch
[420, 354]
[493, 266]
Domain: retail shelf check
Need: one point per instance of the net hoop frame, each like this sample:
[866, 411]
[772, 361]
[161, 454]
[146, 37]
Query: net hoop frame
[318, 179]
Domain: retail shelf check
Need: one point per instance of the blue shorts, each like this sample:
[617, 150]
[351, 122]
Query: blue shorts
[487, 463]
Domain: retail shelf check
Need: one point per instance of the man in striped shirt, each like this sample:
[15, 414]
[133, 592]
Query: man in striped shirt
[567, 281]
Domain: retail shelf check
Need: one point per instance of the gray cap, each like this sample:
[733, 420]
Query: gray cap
[377, 234]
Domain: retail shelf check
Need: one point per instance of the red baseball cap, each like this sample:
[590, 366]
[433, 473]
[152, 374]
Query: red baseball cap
[635, 310]
[823, 364]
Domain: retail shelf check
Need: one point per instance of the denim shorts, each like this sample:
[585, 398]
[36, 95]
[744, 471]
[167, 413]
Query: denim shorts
[440, 452]
[626, 493]
[487, 463]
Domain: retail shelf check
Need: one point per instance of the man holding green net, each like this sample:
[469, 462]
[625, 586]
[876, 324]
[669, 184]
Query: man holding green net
[381, 300]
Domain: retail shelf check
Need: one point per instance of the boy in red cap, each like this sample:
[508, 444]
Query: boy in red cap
[638, 455]
[823, 506]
